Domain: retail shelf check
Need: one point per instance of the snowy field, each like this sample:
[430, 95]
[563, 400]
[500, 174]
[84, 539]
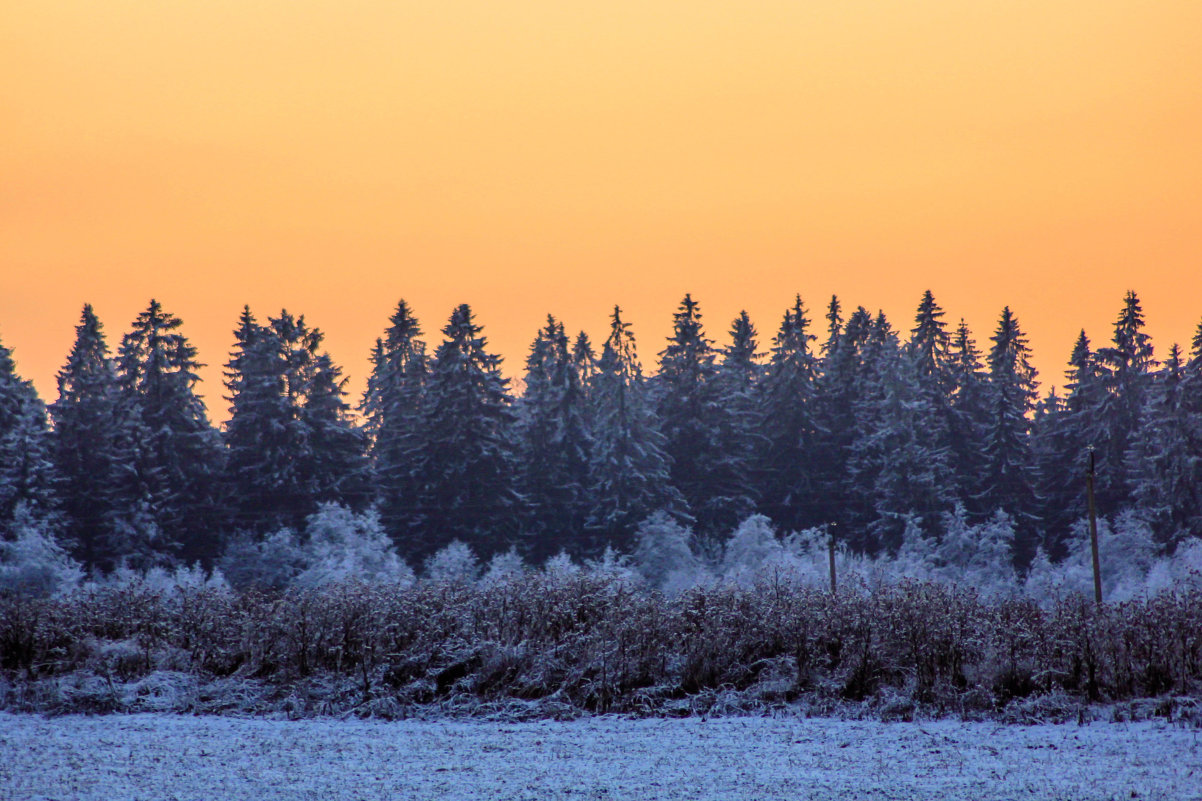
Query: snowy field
[173, 757]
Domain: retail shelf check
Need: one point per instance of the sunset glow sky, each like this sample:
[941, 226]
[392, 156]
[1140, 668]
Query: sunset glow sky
[558, 156]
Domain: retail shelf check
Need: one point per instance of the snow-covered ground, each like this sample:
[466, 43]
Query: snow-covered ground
[173, 757]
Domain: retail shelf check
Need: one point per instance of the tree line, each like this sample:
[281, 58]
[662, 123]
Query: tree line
[847, 423]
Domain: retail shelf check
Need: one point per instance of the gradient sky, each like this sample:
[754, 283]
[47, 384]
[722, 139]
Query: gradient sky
[532, 157]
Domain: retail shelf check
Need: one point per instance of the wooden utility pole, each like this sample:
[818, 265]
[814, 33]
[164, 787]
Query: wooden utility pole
[830, 550]
[1093, 531]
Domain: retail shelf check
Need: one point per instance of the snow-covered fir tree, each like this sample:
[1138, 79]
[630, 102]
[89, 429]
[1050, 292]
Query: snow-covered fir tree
[291, 440]
[85, 439]
[265, 439]
[789, 414]
[968, 415]
[465, 472]
[27, 475]
[697, 422]
[340, 471]
[841, 386]
[899, 471]
[1008, 482]
[392, 407]
[554, 445]
[930, 352]
[630, 472]
[1165, 457]
[1125, 369]
[170, 456]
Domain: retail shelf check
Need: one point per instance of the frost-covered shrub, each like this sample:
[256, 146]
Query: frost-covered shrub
[916, 557]
[752, 551]
[337, 545]
[610, 566]
[456, 563]
[503, 567]
[33, 563]
[561, 566]
[341, 545]
[1182, 570]
[979, 556]
[1127, 553]
[664, 555]
[270, 563]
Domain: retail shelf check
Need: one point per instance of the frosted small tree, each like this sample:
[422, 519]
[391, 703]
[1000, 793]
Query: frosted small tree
[269, 563]
[916, 557]
[504, 567]
[342, 545]
[664, 554]
[981, 556]
[32, 563]
[454, 564]
[751, 550]
[1127, 551]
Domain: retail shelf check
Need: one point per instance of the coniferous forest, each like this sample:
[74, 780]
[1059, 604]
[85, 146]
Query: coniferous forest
[873, 431]
[611, 538]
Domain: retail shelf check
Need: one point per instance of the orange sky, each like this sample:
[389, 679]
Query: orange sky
[526, 157]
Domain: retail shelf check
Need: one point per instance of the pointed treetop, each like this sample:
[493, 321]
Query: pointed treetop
[619, 351]
[928, 337]
[834, 324]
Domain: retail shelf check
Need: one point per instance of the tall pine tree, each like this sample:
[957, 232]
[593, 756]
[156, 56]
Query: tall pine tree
[465, 473]
[1125, 369]
[393, 407]
[27, 475]
[789, 414]
[554, 445]
[1008, 482]
[697, 423]
[630, 474]
[85, 439]
[171, 457]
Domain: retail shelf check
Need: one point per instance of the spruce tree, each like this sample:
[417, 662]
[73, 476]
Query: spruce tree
[899, 473]
[696, 421]
[340, 472]
[554, 445]
[266, 443]
[929, 351]
[393, 407]
[465, 471]
[630, 472]
[841, 387]
[85, 439]
[1008, 480]
[740, 435]
[27, 474]
[789, 414]
[584, 359]
[968, 416]
[292, 443]
[171, 457]
[1125, 371]
[1165, 458]
[1065, 436]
